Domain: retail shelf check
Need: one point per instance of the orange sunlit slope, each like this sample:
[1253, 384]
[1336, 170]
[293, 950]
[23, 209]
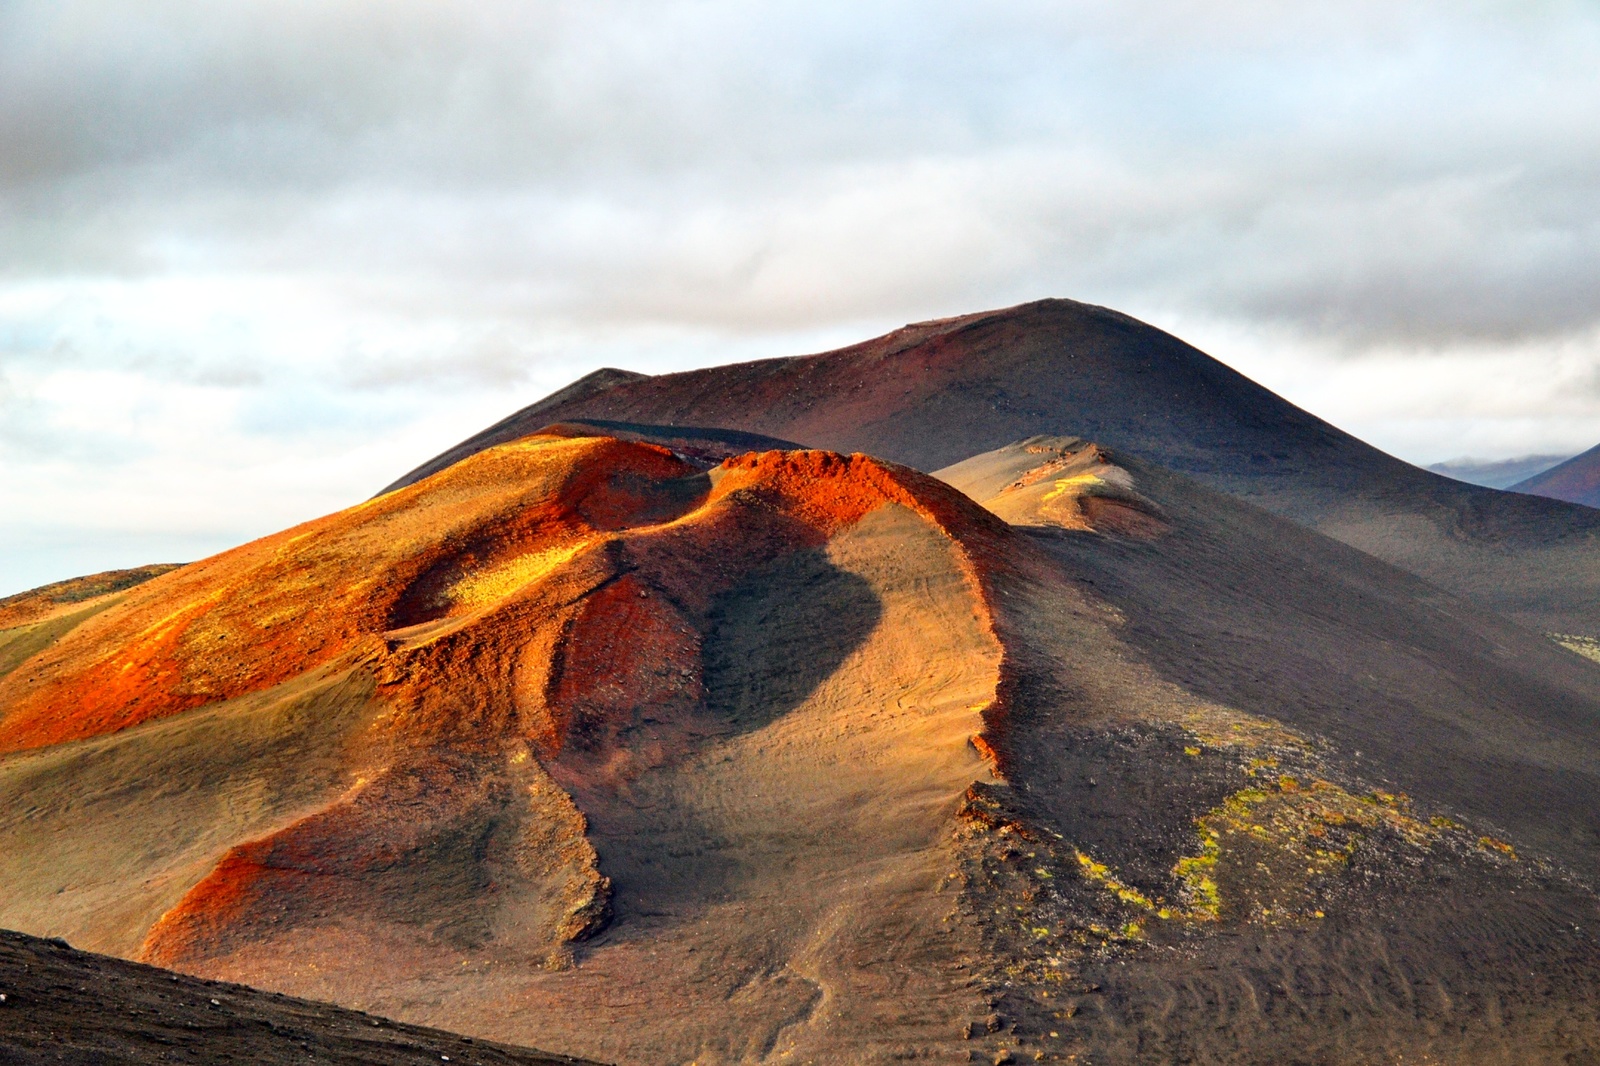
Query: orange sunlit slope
[531, 622]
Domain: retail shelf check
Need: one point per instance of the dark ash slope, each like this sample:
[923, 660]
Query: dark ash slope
[67, 1006]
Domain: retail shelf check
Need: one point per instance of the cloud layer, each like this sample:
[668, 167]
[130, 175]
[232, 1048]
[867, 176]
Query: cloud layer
[257, 258]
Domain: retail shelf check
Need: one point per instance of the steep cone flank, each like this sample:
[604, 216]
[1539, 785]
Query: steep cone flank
[935, 393]
[1576, 481]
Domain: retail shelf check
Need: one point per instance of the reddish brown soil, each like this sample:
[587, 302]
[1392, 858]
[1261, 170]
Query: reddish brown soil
[626, 617]
[512, 638]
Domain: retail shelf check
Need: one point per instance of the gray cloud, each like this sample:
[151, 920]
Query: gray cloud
[483, 357]
[1424, 172]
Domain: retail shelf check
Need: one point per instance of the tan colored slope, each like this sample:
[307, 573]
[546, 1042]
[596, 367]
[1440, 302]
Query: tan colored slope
[1058, 483]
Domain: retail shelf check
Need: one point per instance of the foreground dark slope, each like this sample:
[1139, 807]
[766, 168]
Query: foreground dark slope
[934, 393]
[67, 1006]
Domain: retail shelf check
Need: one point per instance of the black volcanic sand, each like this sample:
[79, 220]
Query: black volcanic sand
[1448, 954]
[1358, 747]
[67, 1006]
[1417, 690]
[1438, 966]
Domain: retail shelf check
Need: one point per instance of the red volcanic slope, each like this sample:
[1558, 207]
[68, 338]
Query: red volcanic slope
[934, 393]
[1576, 481]
[546, 597]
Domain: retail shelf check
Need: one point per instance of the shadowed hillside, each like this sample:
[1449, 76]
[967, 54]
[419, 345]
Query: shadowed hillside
[67, 1006]
[934, 393]
[1271, 761]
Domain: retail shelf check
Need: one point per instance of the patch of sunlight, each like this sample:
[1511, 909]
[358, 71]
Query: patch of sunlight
[1588, 647]
[1076, 485]
[491, 585]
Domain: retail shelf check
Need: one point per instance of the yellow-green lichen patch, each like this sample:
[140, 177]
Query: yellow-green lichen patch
[1101, 875]
[1268, 853]
[1197, 879]
[1497, 846]
[1042, 904]
[1215, 726]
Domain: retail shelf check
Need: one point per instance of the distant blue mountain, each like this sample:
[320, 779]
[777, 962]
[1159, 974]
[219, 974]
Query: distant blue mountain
[1497, 473]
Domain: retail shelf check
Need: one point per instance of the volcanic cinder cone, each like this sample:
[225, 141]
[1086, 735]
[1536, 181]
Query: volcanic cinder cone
[409, 731]
[803, 756]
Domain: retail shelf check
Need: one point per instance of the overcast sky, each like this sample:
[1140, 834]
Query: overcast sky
[259, 258]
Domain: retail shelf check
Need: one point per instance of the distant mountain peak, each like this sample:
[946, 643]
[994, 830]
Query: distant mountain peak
[1496, 473]
[1577, 480]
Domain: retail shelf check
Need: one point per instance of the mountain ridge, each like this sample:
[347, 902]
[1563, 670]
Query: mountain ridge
[934, 393]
